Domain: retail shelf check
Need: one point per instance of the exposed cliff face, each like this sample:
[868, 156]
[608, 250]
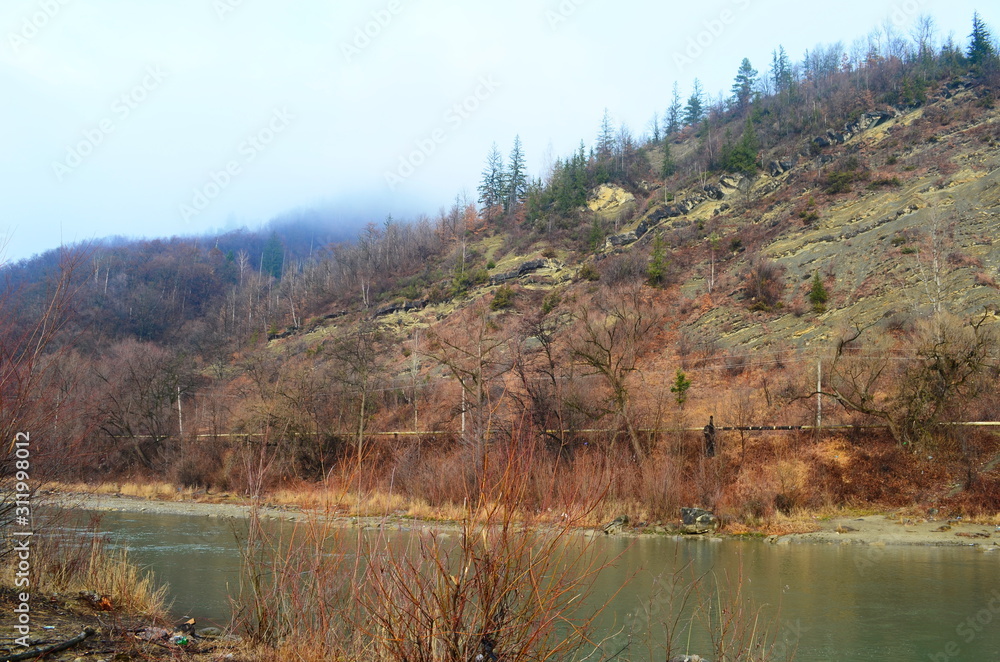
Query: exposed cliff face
[609, 200]
[916, 227]
[897, 212]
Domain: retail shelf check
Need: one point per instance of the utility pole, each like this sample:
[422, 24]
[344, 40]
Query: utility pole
[180, 414]
[819, 394]
[414, 371]
[463, 406]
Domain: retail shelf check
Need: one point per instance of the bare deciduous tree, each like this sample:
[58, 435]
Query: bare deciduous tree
[137, 407]
[28, 336]
[475, 354]
[359, 366]
[614, 333]
[917, 397]
[542, 371]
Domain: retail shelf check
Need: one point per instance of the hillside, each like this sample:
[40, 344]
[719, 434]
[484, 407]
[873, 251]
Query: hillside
[584, 329]
[925, 191]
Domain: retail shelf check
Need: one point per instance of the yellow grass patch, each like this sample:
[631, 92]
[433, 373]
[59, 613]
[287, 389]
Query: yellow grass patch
[146, 490]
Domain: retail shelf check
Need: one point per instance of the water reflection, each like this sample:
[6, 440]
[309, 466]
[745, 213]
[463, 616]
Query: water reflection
[828, 602]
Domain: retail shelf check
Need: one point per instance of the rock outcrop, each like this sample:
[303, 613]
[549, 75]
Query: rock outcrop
[627, 238]
[775, 168]
[403, 307]
[698, 520]
[608, 199]
[867, 121]
[616, 525]
[524, 269]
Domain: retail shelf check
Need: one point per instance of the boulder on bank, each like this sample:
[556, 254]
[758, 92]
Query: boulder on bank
[616, 525]
[698, 520]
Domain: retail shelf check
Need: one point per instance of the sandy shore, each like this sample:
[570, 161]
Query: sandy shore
[868, 530]
[894, 530]
[127, 504]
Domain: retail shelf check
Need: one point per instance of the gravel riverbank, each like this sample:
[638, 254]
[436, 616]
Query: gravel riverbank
[867, 530]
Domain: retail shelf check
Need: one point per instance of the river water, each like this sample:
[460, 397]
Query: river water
[823, 602]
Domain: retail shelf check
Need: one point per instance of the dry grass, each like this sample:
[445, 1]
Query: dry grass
[129, 588]
[763, 483]
[160, 491]
[372, 503]
[503, 581]
[72, 565]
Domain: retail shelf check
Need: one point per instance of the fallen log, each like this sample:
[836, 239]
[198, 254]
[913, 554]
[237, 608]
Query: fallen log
[54, 648]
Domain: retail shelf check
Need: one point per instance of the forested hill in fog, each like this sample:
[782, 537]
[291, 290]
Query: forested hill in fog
[840, 210]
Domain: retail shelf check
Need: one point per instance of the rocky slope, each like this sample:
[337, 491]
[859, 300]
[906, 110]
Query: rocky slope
[916, 233]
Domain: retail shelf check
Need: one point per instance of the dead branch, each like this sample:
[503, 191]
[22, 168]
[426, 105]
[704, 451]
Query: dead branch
[54, 648]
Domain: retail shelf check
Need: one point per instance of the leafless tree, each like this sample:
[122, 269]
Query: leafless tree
[359, 367]
[917, 398]
[140, 384]
[474, 352]
[614, 333]
[542, 370]
[923, 34]
[956, 362]
[29, 334]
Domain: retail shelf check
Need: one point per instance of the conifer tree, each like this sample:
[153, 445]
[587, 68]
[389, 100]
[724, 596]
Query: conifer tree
[981, 50]
[516, 178]
[781, 70]
[272, 261]
[695, 108]
[669, 166]
[656, 270]
[492, 186]
[743, 86]
[742, 157]
[605, 137]
[680, 387]
[818, 295]
[673, 117]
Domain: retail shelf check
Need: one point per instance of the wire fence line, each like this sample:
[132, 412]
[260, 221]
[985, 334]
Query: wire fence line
[403, 382]
[664, 430]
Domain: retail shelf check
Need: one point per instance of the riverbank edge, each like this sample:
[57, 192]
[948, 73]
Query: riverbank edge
[885, 529]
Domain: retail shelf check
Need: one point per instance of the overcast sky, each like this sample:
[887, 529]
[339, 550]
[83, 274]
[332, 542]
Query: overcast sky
[145, 118]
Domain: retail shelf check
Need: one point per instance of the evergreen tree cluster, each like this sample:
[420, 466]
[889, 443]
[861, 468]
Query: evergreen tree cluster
[504, 186]
[790, 99]
[566, 190]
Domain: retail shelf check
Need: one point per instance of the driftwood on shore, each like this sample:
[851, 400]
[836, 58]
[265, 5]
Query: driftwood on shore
[54, 648]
